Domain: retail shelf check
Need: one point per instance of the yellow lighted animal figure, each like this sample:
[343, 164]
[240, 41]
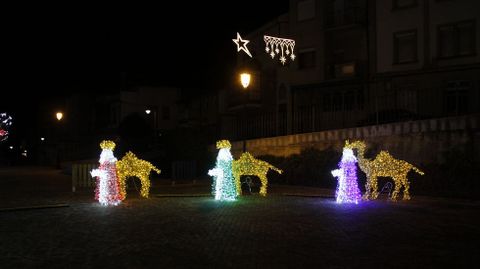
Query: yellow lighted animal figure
[384, 165]
[131, 166]
[248, 165]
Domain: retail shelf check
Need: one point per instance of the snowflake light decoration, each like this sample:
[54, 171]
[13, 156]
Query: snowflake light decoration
[282, 46]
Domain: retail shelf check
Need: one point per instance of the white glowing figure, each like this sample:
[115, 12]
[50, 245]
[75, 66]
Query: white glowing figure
[224, 182]
[107, 190]
[242, 44]
[282, 46]
[218, 174]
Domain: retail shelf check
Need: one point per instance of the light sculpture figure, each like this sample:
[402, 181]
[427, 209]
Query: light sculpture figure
[384, 165]
[131, 166]
[247, 165]
[107, 190]
[223, 186]
[347, 187]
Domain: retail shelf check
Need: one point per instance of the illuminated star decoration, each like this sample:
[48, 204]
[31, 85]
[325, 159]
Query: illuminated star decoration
[5, 122]
[282, 46]
[242, 44]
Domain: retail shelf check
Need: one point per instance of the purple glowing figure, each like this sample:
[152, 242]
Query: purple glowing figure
[347, 187]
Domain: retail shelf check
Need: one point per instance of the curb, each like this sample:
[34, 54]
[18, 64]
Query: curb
[182, 195]
[33, 207]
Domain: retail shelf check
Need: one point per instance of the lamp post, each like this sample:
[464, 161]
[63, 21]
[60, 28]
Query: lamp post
[59, 117]
[245, 80]
[155, 124]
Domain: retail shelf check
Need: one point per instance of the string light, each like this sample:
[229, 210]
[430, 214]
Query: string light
[282, 46]
[384, 165]
[5, 122]
[107, 190]
[131, 166]
[347, 187]
[223, 186]
[248, 165]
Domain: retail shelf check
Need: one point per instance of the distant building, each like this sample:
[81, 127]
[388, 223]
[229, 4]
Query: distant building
[359, 62]
[91, 117]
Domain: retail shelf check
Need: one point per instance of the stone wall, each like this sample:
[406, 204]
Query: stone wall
[420, 142]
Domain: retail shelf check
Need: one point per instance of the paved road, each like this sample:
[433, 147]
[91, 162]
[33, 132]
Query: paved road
[254, 232]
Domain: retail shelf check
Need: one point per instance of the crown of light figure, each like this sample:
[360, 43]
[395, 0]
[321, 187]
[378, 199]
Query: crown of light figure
[223, 144]
[107, 144]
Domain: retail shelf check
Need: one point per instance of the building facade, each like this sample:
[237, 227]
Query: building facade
[361, 62]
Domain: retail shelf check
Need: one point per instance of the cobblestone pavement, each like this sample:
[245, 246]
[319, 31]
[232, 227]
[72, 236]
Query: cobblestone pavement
[253, 232]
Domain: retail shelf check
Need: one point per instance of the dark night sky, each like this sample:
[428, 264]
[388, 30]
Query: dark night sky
[55, 49]
[59, 48]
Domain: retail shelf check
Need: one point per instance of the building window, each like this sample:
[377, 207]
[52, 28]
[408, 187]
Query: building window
[405, 47]
[165, 112]
[305, 10]
[456, 39]
[344, 70]
[306, 59]
[456, 97]
[401, 4]
[344, 12]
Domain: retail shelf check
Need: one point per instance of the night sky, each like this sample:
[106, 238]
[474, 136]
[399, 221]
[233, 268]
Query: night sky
[58, 48]
[54, 50]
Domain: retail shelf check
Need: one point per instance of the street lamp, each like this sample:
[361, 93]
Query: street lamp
[59, 116]
[245, 80]
[155, 123]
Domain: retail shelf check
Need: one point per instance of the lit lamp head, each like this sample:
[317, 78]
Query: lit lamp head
[59, 115]
[245, 79]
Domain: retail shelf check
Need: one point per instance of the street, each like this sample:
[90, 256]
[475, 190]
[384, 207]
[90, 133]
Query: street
[277, 231]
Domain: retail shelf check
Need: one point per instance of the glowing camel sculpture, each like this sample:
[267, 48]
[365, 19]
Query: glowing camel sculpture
[131, 166]
[248, 165]
[384, 165]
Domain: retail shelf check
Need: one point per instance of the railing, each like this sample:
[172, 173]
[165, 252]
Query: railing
[81, 177]
[184, 170]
